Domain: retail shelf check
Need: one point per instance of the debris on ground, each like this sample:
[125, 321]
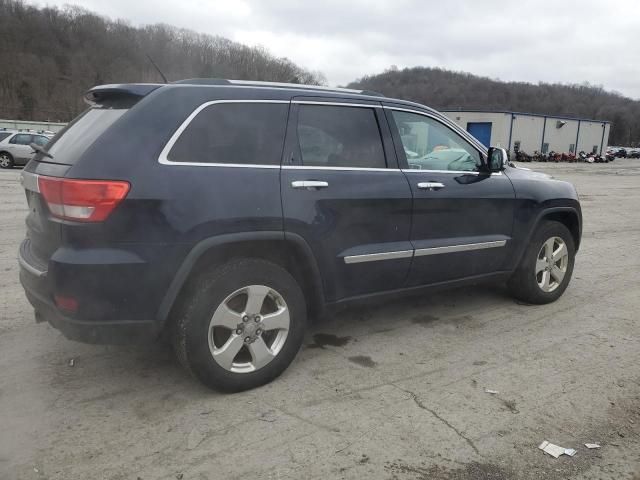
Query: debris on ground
[72, 362]
[592, 445]
[555, 450]
[268, 416]
[492, 392]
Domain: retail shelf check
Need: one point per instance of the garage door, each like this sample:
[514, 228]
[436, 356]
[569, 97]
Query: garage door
[480, 130]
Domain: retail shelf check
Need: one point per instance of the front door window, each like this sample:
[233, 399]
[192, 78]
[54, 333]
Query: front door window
[429, 145]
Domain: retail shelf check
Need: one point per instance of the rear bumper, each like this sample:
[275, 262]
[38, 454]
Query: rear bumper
[37, 283]
[108, 333]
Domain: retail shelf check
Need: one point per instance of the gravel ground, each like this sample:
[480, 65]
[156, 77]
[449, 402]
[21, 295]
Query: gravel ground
[395, 391]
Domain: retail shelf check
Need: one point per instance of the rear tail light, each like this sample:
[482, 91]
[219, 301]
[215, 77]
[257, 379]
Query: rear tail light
[82, 200]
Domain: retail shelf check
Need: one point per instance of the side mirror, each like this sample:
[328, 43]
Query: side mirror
[496, 159]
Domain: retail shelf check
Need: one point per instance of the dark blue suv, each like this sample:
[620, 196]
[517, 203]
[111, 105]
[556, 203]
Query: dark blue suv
[224, 213]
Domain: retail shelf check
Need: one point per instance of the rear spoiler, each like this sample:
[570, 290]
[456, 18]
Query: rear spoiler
[115, 92]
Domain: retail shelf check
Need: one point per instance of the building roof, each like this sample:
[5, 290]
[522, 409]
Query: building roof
[561, 117]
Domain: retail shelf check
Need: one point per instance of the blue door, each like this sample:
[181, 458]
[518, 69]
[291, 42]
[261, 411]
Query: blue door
[480, 130]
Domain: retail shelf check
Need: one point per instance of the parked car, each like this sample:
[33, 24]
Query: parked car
[15, 147]
[223, 214]
[621, 153]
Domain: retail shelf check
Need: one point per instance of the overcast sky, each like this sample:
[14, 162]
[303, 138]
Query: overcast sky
[553, 41]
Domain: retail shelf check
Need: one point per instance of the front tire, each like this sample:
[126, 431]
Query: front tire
[241, 325]
[6, 160]
[546, 266]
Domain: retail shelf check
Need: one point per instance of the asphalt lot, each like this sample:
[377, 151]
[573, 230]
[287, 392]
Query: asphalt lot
[395, 391]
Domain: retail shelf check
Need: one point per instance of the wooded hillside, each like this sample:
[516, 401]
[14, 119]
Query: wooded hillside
[49, 57]
[446, 89]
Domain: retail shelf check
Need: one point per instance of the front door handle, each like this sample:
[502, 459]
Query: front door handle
[309, 184]
[430, 185]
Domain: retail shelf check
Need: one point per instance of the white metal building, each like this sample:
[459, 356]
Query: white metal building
[532, 132]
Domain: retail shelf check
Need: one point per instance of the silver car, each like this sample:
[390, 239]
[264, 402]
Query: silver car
[15, 149]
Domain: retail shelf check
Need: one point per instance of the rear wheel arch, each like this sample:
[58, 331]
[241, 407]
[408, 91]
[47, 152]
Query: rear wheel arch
[291, 253]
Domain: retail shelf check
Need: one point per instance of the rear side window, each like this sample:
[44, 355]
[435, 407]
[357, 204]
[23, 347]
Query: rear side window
[40, 140]
[68, 145]
[234, 133]
[333, 136]
[21, 139]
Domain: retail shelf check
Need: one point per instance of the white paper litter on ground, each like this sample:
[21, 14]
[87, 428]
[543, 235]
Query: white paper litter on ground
[555, 450]
[592, 445]
[492, 392]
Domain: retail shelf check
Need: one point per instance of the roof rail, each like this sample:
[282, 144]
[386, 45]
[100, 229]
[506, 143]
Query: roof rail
[256, 83]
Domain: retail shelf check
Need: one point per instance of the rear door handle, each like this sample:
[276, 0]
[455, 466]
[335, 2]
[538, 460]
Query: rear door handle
[430, 185]
[309, 184]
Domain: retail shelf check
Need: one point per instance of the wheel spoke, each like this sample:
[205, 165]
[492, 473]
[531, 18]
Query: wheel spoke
[225, 354]
[545, 281]
[557, 274]
[541, 264]
[225, 317]
[559, 253]
[548, 248]
[255, 298]
[260, 353]
[277, 321]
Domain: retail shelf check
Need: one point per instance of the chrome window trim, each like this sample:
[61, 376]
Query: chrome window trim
[361, 169]
[374, 257]
[164, 160]
[466, 172]
[336, 104]
[29, 181]
[420, 252]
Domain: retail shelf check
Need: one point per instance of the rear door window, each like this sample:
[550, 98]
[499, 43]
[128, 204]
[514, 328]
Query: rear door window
[21, 139]
[233, 133]
[337, 136]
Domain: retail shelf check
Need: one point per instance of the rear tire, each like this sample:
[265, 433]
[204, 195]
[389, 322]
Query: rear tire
[546, 266]
[218, 317]
[6, 160]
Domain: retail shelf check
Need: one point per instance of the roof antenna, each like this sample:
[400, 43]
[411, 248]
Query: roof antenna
[156, 67]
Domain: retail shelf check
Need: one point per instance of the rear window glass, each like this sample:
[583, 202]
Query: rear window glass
[234, 133]
[68, 145]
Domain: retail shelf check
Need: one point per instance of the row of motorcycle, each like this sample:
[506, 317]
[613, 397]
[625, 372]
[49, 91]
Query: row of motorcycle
[556, 157]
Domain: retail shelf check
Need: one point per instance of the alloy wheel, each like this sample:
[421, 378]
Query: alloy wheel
[551, 264]
[249, 329]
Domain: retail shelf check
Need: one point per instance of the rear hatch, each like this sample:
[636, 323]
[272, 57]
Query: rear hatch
[44, 228]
